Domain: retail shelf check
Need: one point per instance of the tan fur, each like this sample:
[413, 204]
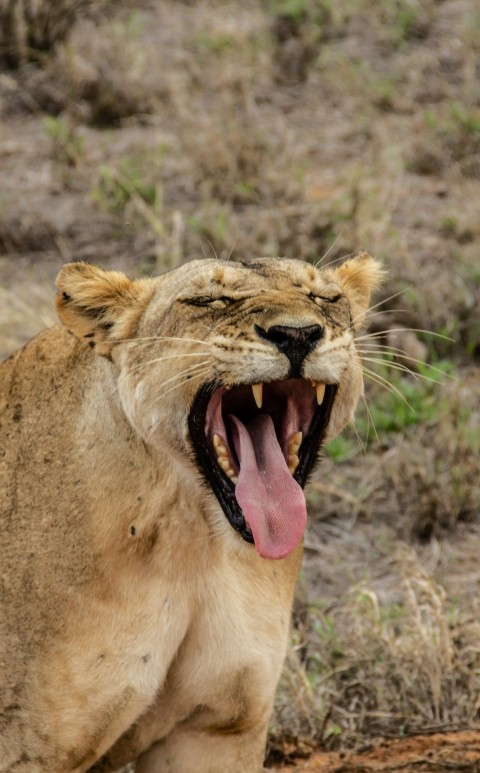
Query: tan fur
[135, 623]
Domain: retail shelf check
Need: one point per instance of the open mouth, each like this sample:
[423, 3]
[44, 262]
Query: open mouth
[256, 444]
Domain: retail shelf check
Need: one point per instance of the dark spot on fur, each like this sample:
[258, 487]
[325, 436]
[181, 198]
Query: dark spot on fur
[139, 498]
[17, 412]
[254, 266]
[92, 344]
[146, 658]
[89, 335]
[66, 297]
[133, 531]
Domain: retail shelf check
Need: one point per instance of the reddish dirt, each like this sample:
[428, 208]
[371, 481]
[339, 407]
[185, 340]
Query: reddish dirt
[455, 752]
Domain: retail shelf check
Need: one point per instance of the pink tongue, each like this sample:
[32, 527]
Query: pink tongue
[273, 503]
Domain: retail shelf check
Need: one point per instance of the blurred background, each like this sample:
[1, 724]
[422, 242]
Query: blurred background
[139, 135]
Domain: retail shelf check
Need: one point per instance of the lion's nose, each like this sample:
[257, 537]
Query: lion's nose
[294, 342]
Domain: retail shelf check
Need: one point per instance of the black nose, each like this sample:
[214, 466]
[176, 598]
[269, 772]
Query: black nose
[294, 342]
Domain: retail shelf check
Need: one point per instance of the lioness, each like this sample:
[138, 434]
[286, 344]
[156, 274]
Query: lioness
[153, 453]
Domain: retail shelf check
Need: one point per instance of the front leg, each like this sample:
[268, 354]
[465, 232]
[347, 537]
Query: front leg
[212, 750]
[212, 711]
[223, 729]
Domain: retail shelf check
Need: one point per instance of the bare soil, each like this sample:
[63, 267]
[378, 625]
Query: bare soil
[157, 132]
[437, 753]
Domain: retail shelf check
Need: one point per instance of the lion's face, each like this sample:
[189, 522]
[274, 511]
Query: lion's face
[240, 371]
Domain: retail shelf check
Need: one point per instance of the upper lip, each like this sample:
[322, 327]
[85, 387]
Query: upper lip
[293, 406]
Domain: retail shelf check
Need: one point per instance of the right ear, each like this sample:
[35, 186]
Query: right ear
[99, 306]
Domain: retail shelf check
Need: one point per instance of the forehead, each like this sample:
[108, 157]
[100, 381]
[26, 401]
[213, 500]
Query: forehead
[253, 274]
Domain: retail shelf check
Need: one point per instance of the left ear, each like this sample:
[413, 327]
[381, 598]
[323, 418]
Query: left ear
[359, 277]
[99, 306]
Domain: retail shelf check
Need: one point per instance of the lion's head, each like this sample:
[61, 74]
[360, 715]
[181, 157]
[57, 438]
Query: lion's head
[239, 371]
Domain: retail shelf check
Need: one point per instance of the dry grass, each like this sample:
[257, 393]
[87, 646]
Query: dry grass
[304, 128]
[387, 658]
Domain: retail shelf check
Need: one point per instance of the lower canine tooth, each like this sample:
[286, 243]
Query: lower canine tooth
[320, 389]
[225, 463]
[257, 390]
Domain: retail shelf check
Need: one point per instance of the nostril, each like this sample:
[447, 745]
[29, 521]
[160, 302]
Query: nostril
[316, 332]
[294, 342]
[284, 336]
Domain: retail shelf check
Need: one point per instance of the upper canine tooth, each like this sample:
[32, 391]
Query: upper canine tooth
[320, 389]
[257, 390]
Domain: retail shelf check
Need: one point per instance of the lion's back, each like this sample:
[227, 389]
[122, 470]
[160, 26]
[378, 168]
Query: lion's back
[38, 388]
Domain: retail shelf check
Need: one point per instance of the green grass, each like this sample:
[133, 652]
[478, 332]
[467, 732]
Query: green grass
[394, 402]
[67, 144]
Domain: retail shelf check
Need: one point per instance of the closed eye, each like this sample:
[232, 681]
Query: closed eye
[318, 299]
[213, 303]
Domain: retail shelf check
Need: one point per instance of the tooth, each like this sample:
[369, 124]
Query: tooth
[257, 390]
[292, 462]
[297, 438]
[224, 463]
[217, 441]
[234, 479]
[320, 389]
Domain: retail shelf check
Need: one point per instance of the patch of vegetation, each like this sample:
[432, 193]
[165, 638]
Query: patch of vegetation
[124, 184]
[30, 29]
[395, 401]
[67, 143]
[381, 664]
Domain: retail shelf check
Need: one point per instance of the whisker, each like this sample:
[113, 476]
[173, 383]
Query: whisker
[147, 339]
[370, 421]
[382, 312]
[190, 380]
[362, 445]
[394, 366]
[380, 333]
[211, 245]
[186, 372]
[167, 357]
[404, 369]
[233, 247]
[400, 353]
[380, 303]
[319, 262]
[377, 379]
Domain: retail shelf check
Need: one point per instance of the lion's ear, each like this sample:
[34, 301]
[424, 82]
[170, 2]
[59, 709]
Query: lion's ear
[359, 277]
[99, 306]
